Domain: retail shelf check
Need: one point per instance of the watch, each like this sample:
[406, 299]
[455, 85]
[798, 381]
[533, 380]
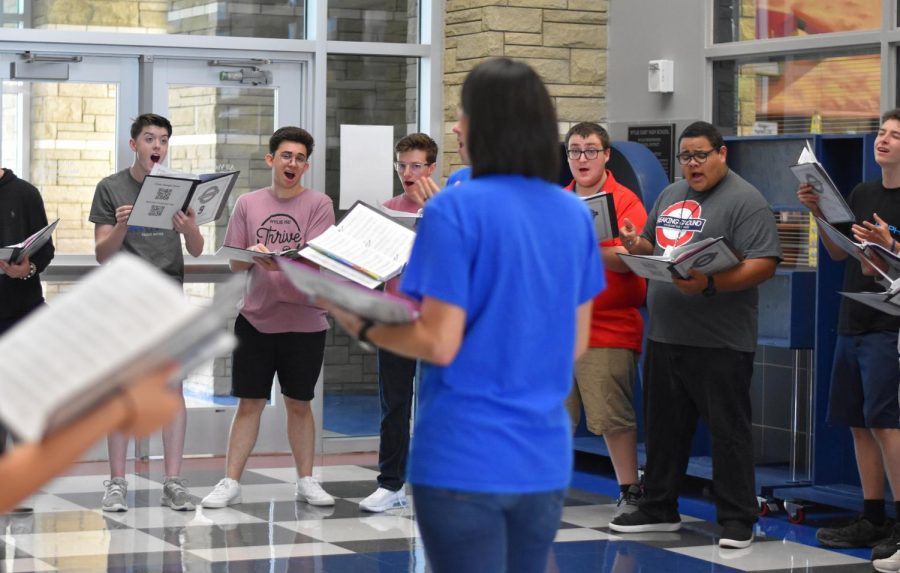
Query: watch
[710, 289]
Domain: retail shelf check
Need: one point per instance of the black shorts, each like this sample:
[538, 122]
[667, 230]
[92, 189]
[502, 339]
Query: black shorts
[295, 356]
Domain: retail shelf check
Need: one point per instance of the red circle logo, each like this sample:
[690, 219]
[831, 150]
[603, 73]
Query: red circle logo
[678, 223]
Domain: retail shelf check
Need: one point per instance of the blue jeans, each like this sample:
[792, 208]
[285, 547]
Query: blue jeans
[487, 532]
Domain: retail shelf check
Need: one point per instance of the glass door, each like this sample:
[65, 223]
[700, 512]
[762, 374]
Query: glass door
[222, 113]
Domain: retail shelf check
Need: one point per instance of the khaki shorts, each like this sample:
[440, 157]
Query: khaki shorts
[604, 385]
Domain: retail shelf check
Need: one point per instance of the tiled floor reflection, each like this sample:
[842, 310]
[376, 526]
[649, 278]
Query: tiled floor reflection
[270, 532]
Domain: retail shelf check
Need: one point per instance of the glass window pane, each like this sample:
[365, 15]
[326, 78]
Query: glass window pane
[368, 90]
[362, 90]
[739, 20]
[836, 93]
[257, 19]
[379, 21]
[222, 129]
[69, 130]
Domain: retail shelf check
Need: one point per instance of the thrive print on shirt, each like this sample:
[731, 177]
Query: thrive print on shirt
[280, 231]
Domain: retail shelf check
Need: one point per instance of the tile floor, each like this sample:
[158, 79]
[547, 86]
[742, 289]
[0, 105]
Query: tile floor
[270, 532]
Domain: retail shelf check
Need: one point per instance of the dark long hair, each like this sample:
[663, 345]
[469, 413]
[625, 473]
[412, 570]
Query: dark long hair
[512, 122]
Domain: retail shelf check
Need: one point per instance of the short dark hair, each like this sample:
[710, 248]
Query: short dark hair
[891, 114]
[291, 133]
[421, 142]
[512, 122]
[147, 119]
[703, 129]
[586, 129]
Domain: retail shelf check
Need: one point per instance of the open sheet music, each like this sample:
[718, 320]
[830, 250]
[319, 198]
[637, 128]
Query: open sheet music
[408, 220]
[165, 191]
[248, 256]
[708, 256]
[832, 204]
[862, 251]
[886, 302]
[16, 253]
[372, 304]
[366, 246]
[124, 319]
[603, 211]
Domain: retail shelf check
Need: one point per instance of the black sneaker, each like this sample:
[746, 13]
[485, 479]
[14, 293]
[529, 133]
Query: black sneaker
[640, 522]
[859, 533]
[736, 535]
[889, 546]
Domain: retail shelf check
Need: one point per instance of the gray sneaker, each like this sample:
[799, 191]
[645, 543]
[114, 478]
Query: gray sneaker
[628, 500]
[175, 495]
[114, 498]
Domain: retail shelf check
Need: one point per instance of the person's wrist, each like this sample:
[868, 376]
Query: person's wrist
[32, 270]
[893, 245]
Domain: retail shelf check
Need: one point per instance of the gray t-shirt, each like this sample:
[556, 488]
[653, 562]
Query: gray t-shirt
[160, 247]
[733, 209]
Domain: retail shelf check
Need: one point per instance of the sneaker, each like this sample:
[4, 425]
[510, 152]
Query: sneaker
[889, 546]
[628, 500]
[736, 535]
[227, 492]
[114, 498]
[859, 533]
[640, 522]
[383, 499]
[890, 564]
[175, 495]
[310, 491]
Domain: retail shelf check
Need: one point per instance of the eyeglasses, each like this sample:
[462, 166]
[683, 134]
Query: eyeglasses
[698, 156]
[416, 168]
[287, 157]
[575, 154]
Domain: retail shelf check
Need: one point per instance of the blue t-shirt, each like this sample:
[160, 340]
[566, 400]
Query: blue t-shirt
[519, 256]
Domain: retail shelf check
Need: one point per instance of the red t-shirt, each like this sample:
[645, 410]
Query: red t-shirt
[616, 321]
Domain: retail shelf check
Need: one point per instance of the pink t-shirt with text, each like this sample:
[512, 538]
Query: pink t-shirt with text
[270, 303]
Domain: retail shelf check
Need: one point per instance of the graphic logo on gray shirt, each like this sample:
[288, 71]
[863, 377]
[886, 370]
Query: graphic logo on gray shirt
[678, 223]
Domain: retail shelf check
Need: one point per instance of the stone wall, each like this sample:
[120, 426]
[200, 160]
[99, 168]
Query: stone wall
[565, 41]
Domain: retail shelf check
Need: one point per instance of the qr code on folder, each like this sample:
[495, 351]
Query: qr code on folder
[163, 194]
[156, 210]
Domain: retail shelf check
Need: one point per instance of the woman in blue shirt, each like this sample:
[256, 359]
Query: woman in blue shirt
[505, 266]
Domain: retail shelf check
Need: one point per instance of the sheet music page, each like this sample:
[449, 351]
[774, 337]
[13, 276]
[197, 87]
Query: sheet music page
[108, 319]
[650, 267]
[876, 300]
[713, 257]
[341, 269]
[368, 240]
[158, 200]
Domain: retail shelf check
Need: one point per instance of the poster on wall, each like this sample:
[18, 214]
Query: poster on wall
[660, 139]
[367, 168]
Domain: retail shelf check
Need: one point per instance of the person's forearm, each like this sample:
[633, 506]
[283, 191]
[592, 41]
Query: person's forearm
[415, 340]
[28, 466]
[612, 261]
[109, 245]
[193, 240]
[835, 252]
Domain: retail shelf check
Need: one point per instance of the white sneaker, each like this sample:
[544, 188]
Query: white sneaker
[227, 492]
[310, 491]
[383, 499]
[888, 565]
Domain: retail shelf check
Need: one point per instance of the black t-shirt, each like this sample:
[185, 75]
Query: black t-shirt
[856, 318]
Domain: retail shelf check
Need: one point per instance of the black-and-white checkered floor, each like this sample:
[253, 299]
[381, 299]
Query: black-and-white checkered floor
[270, 532]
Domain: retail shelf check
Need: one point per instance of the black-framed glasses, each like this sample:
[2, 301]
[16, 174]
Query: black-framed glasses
[575, 154]
[698, 156]
[415, 168]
